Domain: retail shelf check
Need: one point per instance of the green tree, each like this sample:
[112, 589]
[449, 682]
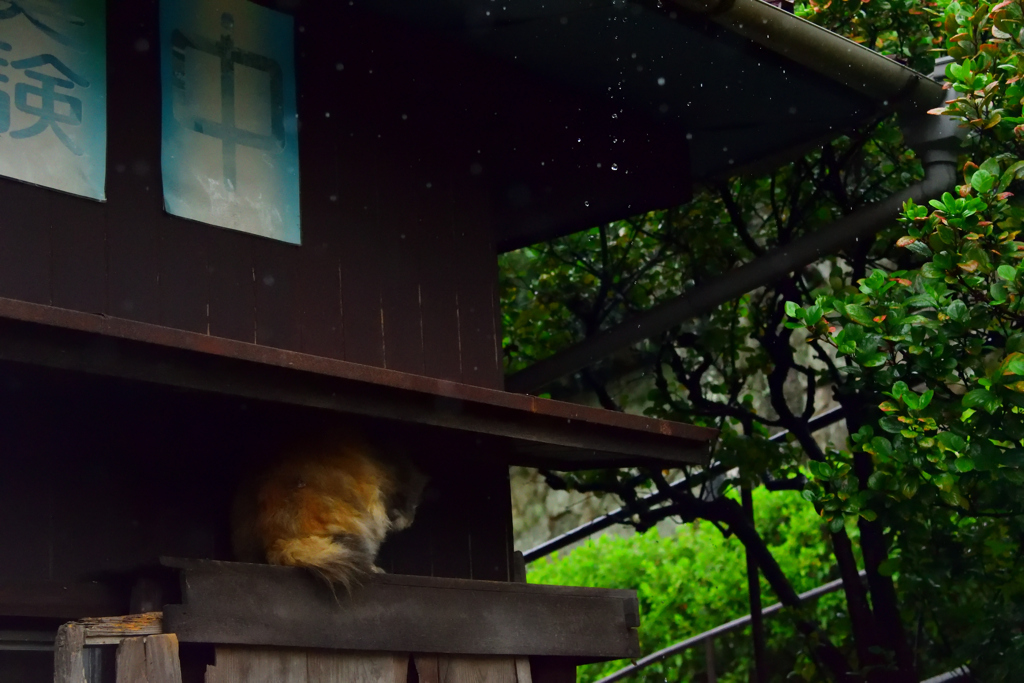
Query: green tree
[930, 509]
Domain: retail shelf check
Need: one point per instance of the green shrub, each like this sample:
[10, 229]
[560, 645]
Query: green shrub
[695, 580]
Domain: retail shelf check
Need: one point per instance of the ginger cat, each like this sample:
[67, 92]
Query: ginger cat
[326, 505]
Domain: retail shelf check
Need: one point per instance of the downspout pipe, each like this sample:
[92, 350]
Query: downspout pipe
[935, 138]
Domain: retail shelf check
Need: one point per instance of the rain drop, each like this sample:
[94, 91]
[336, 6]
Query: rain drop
[615, 167]
[661, 81]
[586, 203]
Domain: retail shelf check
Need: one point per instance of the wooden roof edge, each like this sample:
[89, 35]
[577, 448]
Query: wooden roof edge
[479, 405]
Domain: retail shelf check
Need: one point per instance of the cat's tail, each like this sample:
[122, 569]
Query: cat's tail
[331, 557]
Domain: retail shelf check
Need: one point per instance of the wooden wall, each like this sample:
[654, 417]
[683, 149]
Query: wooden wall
[397, 268]
[100, 478]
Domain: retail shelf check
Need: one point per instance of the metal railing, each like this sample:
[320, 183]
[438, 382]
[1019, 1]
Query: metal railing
[708, 637]
[621, 515]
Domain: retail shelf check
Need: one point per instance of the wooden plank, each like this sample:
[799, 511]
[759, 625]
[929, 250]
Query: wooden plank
[318, 289]
[538, 430]
[476, 670]
[59, 599]
[258, 665]
[438, 280]
[478, 281]
[400, 294]
[523, 674]
[232, 288]
[336, 667]
[275, 272]
[134, 190]
[79, 258]
[427, 668]
[68, 666]
[131, 661]
[162, 664]
[233, 603]
[112, 630]
[183, 274]
[25, 241]
[360, 251]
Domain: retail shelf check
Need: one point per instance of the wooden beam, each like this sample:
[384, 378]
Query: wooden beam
[112, 630]
[233, 603]
[59, 599]
[529, 430]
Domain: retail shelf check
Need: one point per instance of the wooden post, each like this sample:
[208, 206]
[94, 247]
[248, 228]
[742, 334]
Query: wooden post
[68, 663]
[162, 663]
[131, 661]
[153, 659]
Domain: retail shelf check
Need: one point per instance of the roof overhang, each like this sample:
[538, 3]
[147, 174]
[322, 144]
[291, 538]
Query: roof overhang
[711, 88]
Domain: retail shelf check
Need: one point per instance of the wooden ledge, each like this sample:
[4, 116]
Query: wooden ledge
[248, 604]
[535, 430]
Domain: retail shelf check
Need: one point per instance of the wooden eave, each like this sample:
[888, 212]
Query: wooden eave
[522, 429]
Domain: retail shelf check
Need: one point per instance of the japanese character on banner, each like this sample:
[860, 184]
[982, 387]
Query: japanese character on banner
[53, 94]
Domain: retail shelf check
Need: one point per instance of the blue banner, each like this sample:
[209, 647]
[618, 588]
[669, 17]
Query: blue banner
[53, 94]
[230, 154]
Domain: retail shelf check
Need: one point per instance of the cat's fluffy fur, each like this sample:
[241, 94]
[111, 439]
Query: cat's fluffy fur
[326, 505]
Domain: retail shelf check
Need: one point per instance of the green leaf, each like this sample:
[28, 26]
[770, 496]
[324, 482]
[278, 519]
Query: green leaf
[793, 309]
[1007, 272]
[957, 310]
[889, 566]
[951, 441]
[869, 515]
[964, 464]
[981, 398]
[982, 181]
[859, 314]
[871, 359]
[882, 446]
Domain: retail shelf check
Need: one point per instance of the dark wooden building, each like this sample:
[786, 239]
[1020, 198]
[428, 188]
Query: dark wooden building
[147, 361]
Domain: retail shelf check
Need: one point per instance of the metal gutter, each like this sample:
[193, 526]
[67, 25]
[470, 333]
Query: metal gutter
[823, 52]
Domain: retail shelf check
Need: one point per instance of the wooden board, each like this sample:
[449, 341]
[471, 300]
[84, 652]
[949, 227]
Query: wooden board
[68, 666]
[547, 431]
[131, 661]
[253, 665]
[162, 665]
[231, 603]
[335, 667]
